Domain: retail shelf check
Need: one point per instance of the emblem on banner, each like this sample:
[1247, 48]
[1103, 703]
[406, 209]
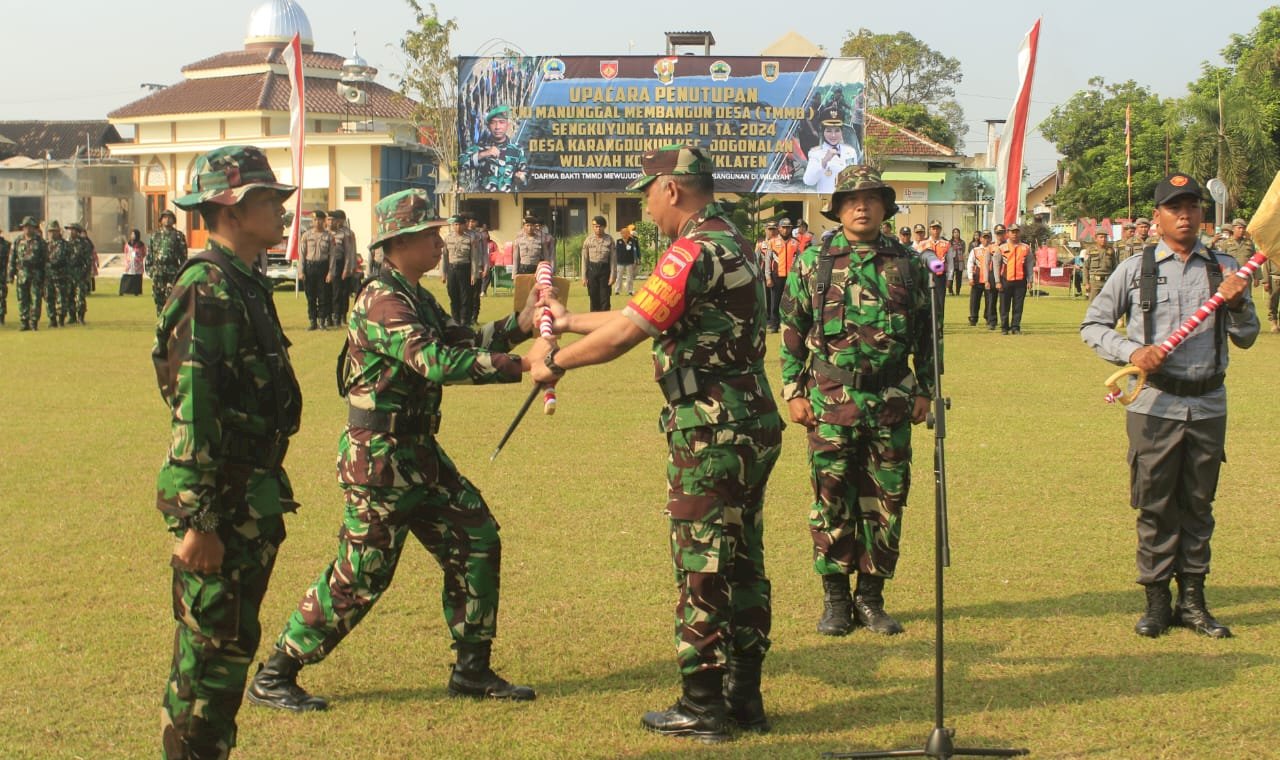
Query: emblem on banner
[769, 70]
[552, 69]
[665, 68]
[608, 69]
[720, 71]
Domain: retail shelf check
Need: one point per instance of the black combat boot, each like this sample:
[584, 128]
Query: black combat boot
[1192, 611]
[837, 606]
[472, 676]
[25, 326]
[868, 606]
[276, 685]
[699, 712]
[1158, 617]
[313, 326]
[742, 693]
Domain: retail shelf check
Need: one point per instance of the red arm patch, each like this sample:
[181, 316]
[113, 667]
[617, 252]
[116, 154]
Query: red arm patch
[660, 301]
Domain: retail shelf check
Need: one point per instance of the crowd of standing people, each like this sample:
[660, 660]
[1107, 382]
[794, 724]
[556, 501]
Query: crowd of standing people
[53, 271]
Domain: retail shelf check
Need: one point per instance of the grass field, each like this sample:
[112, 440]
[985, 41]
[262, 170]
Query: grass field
[1041, 598]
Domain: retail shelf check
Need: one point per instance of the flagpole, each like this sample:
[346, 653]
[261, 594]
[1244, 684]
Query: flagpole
[292, 55]
[1128, 158]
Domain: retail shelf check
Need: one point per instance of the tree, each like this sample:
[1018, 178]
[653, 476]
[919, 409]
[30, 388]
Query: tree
[902, 70]
[430, 79]
[917, 118]
[1088, 130]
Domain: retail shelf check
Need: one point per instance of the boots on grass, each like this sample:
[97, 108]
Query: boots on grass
[276, 685]
[472, 676]
[313, 326]
[1159, 615]
[742, 693]
[698, 713]
[868, 606]
[1192, 612]
[837, 606]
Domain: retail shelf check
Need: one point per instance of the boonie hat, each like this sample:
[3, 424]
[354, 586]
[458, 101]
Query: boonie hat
[403, 213]
[1238, 222]
[856, 178]
[29, 221]
[675, 159]
[225, 175]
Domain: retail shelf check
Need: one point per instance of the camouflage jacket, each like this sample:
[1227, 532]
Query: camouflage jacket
[61, 257]
[497, 173]
[82, 258]
[166, 254]
[4, 259]
[402, 350]
[28, 255]
[704, 305]
[872, 320]
[216, 381]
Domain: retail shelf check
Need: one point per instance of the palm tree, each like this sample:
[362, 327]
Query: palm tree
[1228, 136]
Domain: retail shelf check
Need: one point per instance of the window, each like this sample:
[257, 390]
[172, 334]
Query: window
[629, 211]
[20, 206]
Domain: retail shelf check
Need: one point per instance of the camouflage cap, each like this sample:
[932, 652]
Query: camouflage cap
[75, 226]
[225, 175]
[29, 221]
[53, 225]
[169, 213]
[1238, 222]
[405, 212]
[675, 159]
[856, 178]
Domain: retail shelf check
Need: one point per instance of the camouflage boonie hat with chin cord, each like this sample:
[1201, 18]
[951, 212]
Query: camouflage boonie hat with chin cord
[675, 159]
[853, 179]
[225, 175]
[29, 221]
[405, 212]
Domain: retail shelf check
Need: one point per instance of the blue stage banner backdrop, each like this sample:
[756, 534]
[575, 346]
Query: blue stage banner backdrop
[581, 123]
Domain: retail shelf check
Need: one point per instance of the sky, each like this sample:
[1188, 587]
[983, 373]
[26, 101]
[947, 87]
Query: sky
[147, 41]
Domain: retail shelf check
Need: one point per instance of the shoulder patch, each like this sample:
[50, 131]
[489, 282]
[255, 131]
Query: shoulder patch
[660, 301]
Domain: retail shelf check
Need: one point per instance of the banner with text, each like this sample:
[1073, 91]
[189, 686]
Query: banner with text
[581, 123]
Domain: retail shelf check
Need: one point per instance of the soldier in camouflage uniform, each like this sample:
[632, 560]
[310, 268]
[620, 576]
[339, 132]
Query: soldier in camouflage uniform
[704, 309]
[500, 163]
[4, 276]
[82, 265]
[166, 253]
[58, 293]
[856, 308]
[1099, 263]
[1271, 286]
[223, 368]
[1239, 246]
[402, 349]
[27, 262]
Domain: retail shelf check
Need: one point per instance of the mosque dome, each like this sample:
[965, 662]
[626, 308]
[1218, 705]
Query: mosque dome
[274, 23]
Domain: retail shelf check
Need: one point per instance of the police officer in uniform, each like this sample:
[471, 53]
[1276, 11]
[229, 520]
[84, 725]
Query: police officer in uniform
[317, 252]
[528, 248]
[459, 255]
[599, 264]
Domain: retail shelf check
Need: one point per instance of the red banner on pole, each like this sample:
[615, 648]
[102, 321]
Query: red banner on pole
[292, 56]
[1009, 163]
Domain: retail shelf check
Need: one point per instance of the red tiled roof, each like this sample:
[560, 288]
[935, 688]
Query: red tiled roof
[248, 57]
[893, 140]
[62, 139]
[261, 92]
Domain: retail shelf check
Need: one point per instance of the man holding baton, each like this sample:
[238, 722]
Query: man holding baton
[1177, 424]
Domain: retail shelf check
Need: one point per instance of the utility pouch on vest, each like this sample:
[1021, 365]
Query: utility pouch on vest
[681, 383]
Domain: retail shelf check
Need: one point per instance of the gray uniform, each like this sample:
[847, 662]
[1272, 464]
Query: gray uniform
[1176, 435]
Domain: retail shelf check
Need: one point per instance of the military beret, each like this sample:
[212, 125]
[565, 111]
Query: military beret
[498, 112]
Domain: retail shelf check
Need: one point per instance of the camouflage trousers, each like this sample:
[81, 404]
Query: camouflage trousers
[4, 292]
[59, 296]
[30, 288]
[449, 518]
[716, 478]
[83, 287]
[161, 287]
[860, 477]
[217, 637]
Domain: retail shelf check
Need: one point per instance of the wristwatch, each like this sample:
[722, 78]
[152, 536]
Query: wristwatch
[550, 361]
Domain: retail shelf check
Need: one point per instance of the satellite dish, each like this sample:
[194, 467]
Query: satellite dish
[1217, 190]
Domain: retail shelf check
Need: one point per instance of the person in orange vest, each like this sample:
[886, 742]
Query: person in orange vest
[978, 269]
[781, 254]
[1015, 272]
[803, 236]
[941, 249]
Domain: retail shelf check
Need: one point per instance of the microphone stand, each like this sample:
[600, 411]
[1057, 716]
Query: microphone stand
[940, 742]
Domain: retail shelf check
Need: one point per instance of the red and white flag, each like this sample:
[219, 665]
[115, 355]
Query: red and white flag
[1009, 162]
[292, 56]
